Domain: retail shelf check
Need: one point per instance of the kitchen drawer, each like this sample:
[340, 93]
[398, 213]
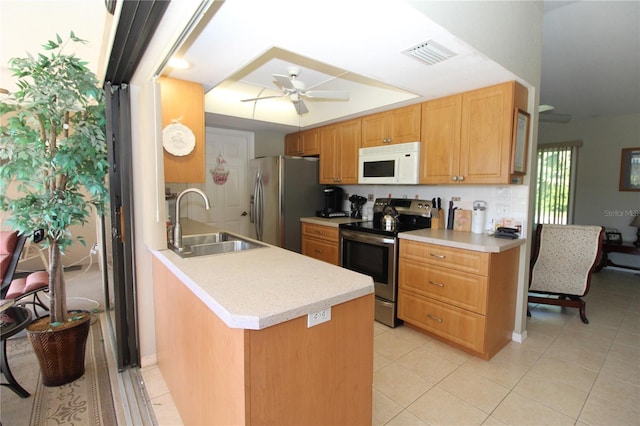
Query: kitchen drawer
[461, 289]
[321, 250]
[319, 231]
[456, 325]
[474, 262]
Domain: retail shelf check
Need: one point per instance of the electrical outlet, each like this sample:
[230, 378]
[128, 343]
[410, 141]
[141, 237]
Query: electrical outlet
[455, 198]
[94, 248]
[370, 197]
[318, 317]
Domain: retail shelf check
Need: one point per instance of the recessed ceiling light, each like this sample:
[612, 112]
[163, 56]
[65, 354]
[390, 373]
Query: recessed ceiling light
[178, 63]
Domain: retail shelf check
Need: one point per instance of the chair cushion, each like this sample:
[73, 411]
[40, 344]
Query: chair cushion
[567, 254]
[32, 282]
[8, 240]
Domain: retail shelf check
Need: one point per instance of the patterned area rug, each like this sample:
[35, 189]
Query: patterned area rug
[86, 401]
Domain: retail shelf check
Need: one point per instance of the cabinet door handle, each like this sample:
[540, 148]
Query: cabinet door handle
[318, 251]
[434, 318]
[439, 256]
[454, 178]
[460, 178]
[436, 283]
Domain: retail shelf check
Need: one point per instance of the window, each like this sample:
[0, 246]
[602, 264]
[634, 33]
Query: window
[555, 184]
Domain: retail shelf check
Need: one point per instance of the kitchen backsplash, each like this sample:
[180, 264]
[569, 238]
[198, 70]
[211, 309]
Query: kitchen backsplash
[506, 205]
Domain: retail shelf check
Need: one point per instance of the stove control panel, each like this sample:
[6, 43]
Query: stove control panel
[405, 206]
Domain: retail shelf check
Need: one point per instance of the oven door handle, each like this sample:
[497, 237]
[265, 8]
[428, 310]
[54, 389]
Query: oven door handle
[367, 238]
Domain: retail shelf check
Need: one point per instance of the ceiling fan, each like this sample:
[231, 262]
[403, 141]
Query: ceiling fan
[296, 91]
[545, 115]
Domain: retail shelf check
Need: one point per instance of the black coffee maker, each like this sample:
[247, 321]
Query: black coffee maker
[333, 199]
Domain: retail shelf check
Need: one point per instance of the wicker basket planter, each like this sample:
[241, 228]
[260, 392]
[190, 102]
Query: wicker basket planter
[60, 351]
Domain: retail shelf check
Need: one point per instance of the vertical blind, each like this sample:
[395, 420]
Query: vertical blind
[555, 185]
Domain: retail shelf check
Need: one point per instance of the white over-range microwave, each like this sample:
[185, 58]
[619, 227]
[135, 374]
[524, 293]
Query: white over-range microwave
[390, 164]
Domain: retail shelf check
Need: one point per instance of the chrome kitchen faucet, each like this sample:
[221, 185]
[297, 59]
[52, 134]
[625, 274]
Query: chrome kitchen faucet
[177, 229]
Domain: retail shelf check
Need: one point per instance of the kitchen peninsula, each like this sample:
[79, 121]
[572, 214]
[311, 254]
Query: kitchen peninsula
[234, 345]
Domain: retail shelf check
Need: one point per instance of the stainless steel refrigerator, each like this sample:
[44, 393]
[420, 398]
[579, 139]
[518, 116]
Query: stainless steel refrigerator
[284, 190]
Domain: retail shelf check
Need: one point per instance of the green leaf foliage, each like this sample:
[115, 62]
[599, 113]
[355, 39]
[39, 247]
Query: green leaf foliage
[52, 143]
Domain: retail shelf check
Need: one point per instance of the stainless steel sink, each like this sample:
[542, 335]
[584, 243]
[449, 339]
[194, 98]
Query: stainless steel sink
[214, 243]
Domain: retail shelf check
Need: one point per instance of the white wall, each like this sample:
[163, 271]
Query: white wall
[598, 199]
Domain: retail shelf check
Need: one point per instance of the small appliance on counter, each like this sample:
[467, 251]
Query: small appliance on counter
[357, 201]
[333, 198]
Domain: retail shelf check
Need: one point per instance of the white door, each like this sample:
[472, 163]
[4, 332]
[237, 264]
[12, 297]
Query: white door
[227, 157]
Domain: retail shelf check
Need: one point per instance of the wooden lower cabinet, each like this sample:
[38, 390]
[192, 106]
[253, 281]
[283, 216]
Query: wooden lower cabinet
[287, 374]
[464, 297]
[321, 242]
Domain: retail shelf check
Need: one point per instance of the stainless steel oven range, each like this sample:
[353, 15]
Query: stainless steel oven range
[371, 247]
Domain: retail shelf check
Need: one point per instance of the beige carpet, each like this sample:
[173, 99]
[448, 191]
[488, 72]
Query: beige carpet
[86, 401]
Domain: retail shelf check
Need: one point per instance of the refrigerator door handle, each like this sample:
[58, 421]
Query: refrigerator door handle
[258, 205]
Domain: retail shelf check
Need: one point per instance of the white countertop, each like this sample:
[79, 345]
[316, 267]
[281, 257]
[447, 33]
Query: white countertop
[333, 222]
[262, 287]
[462, 240]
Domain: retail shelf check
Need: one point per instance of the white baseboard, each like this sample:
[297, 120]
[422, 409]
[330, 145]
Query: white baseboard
[519, 337]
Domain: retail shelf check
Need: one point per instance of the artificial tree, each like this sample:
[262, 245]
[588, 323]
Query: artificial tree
[52, 147]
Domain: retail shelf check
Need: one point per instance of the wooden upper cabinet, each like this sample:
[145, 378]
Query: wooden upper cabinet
[292, 145]
[478, 126]
[303, 144]
[183, 101]
[391, 127]
[440, 148]
[339, 144]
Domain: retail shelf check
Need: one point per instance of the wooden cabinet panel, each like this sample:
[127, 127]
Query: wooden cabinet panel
[322, 250]
[184, 101]
[461, 260]
[221, 375]
[467, 138]
[466, 291]
[391, 127]
[303, 144]
[321, 242]
[292, 145]
[339, 145]
[485, 141]
[461, 327]
[465, 297]
[440, 148]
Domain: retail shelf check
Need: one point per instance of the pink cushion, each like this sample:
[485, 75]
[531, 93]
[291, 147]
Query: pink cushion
[34, 281]
[8, 240]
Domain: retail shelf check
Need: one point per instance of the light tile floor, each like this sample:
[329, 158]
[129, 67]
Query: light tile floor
[566, 372]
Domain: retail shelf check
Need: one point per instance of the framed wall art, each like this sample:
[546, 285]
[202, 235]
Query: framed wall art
[630, 169]
[520, 142]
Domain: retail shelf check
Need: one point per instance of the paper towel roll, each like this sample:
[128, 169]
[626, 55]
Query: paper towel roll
[478, 217]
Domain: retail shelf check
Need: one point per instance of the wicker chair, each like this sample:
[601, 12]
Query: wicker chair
[564, 257]
[24, 290]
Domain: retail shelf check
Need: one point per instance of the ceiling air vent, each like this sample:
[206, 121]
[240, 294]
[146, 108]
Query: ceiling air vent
[429, 52]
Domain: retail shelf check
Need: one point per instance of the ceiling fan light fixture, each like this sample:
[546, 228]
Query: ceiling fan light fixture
[429, 52]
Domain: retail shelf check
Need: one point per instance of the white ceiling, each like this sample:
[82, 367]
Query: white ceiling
[590, 60]
[590, 57]
[356, 47]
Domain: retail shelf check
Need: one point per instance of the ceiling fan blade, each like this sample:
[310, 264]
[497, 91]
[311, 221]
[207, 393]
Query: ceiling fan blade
[259, 99]
[327, 94]
[554, 118]
[301, 108]
[284, 81]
